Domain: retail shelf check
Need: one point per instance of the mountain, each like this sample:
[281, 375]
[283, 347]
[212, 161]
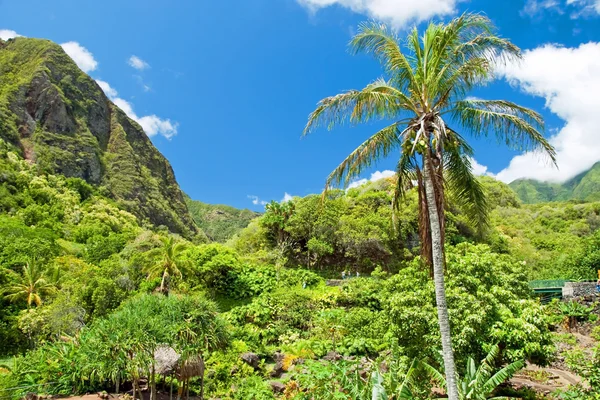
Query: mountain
[585, 187]
[219, 222]
[58, 117]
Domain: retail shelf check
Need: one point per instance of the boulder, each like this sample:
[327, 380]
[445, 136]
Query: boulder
[251, 359]
[277, 387]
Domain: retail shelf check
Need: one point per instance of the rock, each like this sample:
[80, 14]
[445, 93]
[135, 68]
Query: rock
[277, 387]
[278, 368]
[251, 359]
[80, 133]
[332, 356]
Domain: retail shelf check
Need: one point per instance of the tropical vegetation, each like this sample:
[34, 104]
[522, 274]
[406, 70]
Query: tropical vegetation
[107, 284]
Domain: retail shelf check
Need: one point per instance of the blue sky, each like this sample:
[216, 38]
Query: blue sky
[225, 87]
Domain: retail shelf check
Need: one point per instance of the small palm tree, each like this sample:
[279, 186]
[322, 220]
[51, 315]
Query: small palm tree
[30, 286]
[425, 95]
[479, 382]
[169, 262]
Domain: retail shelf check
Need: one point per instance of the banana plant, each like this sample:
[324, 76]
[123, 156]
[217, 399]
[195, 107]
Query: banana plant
[479, 382]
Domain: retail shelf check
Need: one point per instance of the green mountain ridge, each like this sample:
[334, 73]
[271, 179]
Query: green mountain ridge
[583, 187]
[58, 118]
[220, 222]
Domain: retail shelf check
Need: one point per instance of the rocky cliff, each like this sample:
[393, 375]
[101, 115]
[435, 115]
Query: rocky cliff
[59, 118]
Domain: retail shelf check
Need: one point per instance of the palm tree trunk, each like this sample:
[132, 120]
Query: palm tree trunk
[162, 282]
[438, 278]
[152, 384]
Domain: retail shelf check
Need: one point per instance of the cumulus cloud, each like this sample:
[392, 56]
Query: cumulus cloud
[137, 63]
[569, 80]
[82, 56]
[256, 200]
[479, 169]
[375, 176]
[151, 124]
[6, 34]
[398, 13]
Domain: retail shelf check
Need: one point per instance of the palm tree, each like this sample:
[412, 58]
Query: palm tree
[169, 262]
[425, 94]
[30, 286]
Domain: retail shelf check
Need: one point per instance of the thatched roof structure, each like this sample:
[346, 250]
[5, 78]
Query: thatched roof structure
[166, 360]
[194, 366]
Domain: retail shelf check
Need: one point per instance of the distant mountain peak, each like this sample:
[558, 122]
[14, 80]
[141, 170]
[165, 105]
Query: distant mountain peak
[59, 118]
[584, 187]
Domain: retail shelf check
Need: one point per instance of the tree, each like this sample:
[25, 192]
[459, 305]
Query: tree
[426, 88]
[30, 286]
[276, 217]
[169, 263]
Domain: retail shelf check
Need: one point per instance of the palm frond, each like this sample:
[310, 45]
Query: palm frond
[377, 146]
[515, 125]
[405, 175]
[382, 42]
[464, 186]
[379, 99]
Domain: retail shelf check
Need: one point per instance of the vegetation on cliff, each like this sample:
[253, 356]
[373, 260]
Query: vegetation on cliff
[56, 116]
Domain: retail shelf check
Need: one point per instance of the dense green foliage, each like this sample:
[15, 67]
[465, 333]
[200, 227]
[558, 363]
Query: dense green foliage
[91, 286]
[93, 256]
[219, 222]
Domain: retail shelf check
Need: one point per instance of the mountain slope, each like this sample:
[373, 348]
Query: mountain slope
[585, 186]
[58, 117]
[219, 222]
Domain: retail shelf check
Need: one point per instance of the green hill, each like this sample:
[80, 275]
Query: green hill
[218, 221]
[585, 187]
[58, 118]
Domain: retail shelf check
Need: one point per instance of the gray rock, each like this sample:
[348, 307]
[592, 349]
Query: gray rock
[251, 359]
[277, 387]
[332, 356]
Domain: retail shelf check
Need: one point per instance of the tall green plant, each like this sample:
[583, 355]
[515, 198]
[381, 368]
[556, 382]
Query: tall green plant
[169, 262]
[425, 94]
[30, 286]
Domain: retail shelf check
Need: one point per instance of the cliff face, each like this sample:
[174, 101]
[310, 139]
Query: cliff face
[59, 118]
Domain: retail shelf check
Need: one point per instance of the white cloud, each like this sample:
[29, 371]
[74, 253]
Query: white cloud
[151, 124]
[479, 169]
[577, 8]
[586, 6]
[137, 63]
[256, 200]
[398, 13]
[286, 197]
[375, 176]
[569, 80]
[154, 125]
[108, 90]
[82, 56]
[6, 34]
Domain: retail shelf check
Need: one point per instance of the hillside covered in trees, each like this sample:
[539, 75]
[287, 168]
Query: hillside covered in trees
[583, 187]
